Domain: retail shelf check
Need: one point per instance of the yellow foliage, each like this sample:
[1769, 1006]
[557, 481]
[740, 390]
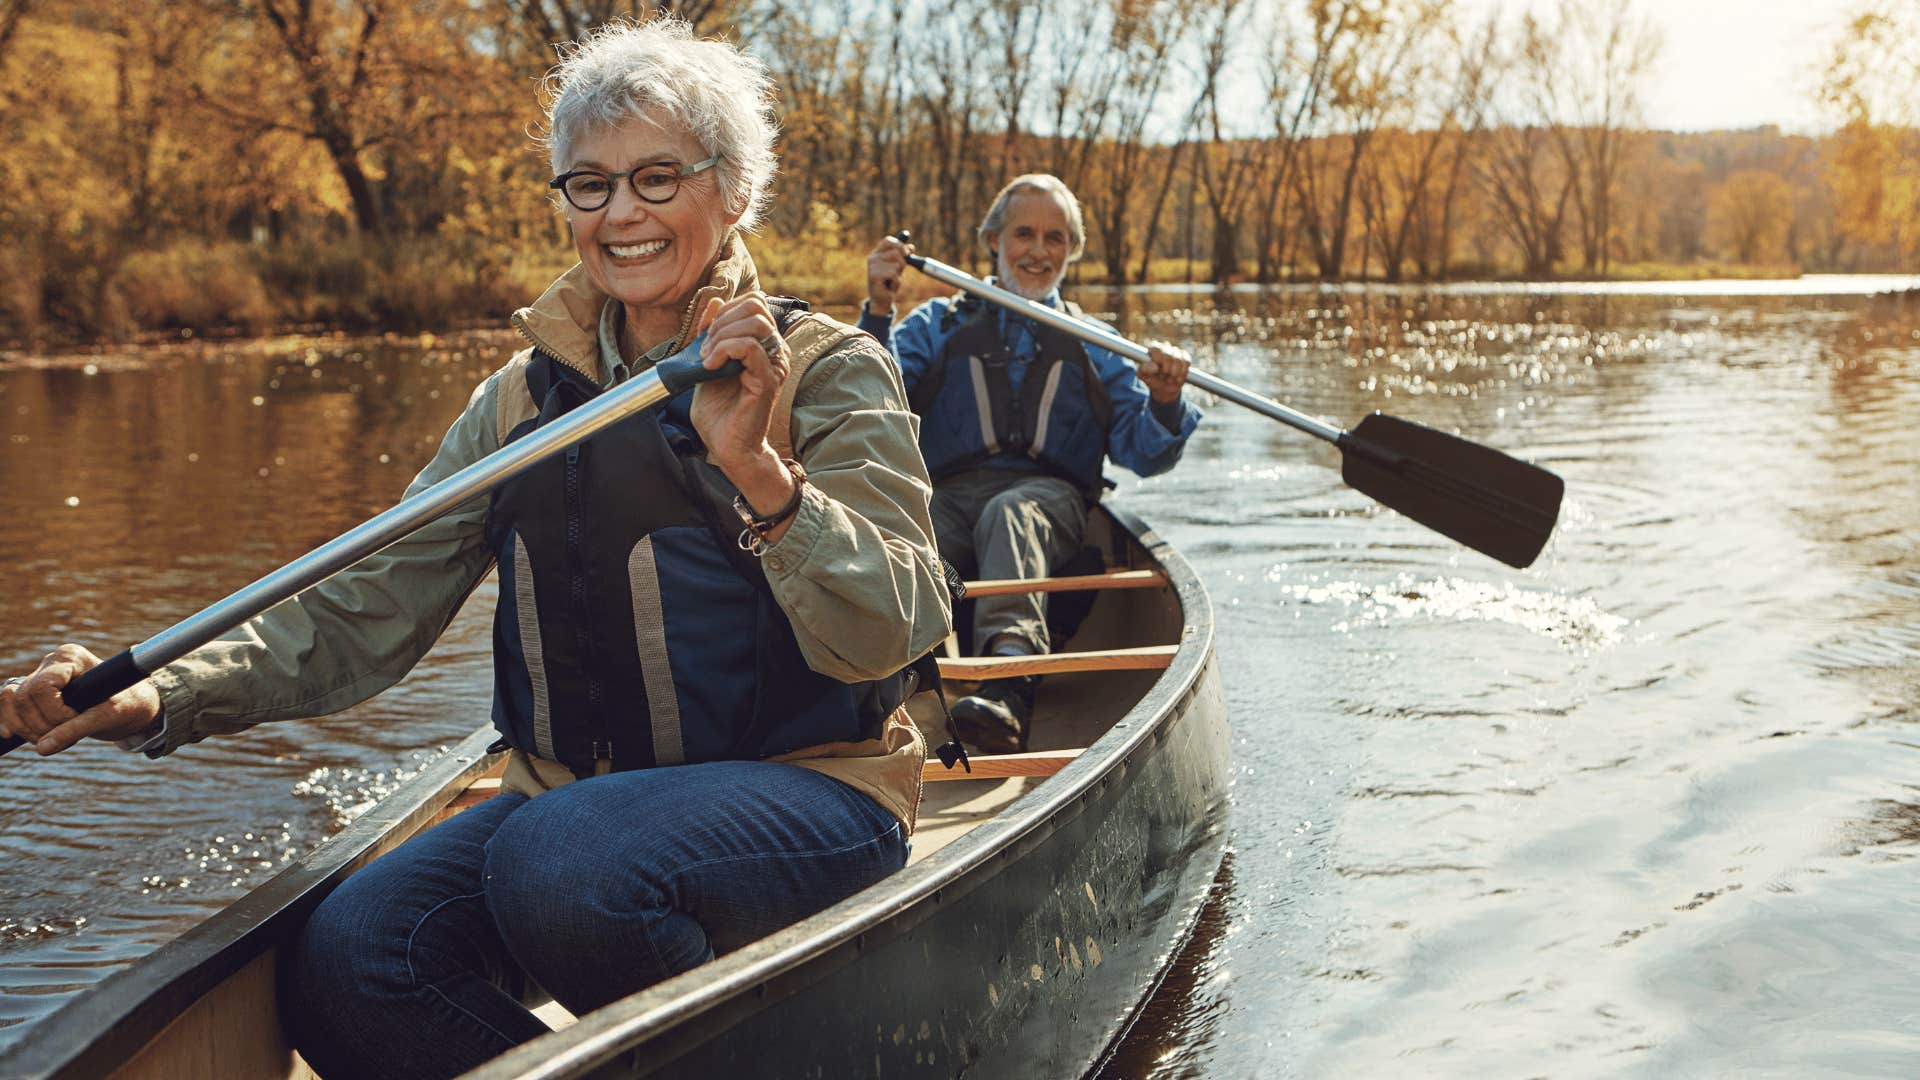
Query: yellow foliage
[1749, 216]
[193, 285]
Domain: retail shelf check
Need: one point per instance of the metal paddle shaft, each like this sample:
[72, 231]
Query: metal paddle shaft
[656, 384]
[1113, 342]
[1493, 503]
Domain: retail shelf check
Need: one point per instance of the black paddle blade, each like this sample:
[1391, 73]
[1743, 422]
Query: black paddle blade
[1493, 503]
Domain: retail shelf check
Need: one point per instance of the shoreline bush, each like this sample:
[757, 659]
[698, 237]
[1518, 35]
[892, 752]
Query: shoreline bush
[64, 292]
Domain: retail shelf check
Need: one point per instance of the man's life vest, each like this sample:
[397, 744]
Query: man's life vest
[971, 412]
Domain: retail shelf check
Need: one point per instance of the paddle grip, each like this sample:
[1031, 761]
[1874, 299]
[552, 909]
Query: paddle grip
[92, 687]
[905, 236]
[918, 262]
[102, 681]
[680, 372]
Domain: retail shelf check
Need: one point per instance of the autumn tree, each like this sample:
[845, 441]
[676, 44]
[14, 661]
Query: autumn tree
[1871, 82]
[1750, 215]
[1590, 90]
[1353, 44]
[1132, 72]
[1528, 182]
[950, 94]
[1417, 114]
[1224, 164]
[11, 12]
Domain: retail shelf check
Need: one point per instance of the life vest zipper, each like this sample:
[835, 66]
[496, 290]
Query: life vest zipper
[578, 597]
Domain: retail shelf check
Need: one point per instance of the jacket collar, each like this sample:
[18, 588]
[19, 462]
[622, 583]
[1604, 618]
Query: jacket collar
[565, 321]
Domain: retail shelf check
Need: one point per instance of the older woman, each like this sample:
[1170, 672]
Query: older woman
[697, 642]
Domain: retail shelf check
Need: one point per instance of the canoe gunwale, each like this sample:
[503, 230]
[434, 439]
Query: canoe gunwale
[674, 1015]
[108, 1024]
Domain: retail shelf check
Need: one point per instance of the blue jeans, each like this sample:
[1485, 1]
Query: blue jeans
[416, 966]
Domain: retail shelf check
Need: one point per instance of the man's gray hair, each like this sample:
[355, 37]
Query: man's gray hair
[996, 218]
[721, 95]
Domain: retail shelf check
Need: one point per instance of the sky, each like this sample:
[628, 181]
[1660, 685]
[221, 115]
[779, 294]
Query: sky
[1731, 63]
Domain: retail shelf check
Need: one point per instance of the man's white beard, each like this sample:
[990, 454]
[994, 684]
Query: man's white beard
[1011, 284]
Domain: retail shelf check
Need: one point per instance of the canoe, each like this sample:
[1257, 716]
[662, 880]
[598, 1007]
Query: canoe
[1043, 900]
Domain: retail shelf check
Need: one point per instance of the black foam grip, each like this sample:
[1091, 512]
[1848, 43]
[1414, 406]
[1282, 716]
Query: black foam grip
[681, 372]
[101, 682]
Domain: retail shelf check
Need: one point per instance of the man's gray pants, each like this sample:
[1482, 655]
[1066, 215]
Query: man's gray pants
[996, 523]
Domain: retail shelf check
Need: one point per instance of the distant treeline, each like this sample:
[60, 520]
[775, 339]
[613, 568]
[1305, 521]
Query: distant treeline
[254, 163]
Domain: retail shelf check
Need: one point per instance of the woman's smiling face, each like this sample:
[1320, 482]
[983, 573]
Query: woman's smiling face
[649, 256]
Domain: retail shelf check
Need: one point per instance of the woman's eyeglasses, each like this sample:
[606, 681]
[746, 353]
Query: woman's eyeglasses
[590, 189]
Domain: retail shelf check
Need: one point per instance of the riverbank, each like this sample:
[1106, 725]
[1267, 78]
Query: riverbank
[360, 285]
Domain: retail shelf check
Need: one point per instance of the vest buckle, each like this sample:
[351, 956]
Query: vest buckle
[602, 751]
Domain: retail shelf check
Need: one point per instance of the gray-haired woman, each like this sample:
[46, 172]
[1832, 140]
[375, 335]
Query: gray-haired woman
[705, 634]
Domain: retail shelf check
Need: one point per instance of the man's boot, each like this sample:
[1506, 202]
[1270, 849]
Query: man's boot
[996, 718]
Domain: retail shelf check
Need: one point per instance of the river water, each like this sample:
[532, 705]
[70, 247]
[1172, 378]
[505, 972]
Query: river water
[1650, 807]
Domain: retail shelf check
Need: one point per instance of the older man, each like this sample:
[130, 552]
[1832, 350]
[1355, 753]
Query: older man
[1016, 421]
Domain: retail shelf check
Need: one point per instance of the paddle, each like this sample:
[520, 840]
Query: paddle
[1495, 504]
[656, 384]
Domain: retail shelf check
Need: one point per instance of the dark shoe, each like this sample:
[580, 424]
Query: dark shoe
[995, 719]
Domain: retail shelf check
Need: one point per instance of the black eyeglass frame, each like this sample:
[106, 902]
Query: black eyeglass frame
[559, 183]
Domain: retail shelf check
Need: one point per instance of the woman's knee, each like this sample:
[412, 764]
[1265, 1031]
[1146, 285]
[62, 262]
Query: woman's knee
[341, 949]
[553, 869]
[332, 975]
[589, 914]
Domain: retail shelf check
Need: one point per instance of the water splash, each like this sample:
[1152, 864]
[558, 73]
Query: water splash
[347, 793]
[1574, 622]
[237, 861]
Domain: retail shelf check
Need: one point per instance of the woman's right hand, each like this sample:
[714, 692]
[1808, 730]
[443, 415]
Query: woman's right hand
[885, 266]
[31, 708]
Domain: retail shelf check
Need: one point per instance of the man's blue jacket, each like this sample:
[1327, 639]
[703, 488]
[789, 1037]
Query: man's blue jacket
[996, 390]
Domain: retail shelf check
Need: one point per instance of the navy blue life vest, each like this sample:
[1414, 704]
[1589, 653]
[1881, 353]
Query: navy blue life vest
[969, 411]
[630, 626]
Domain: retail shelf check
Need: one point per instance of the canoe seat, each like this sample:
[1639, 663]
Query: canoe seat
[977, 668]
[985, 767]
[1112, 579]
[1001, 766]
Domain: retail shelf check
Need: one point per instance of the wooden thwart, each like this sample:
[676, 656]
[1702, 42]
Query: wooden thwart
[1112, 579]
[985, 767]
[1000, 766]
[975, 668]
[477, 792]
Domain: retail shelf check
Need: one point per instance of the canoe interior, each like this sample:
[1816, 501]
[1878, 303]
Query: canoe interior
[1072, 711]
[202, 1005]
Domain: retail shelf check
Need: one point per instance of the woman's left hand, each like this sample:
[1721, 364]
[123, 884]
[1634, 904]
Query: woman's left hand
[731, 414]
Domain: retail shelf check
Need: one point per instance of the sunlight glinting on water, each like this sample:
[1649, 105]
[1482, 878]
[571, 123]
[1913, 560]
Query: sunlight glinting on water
[1645, 807]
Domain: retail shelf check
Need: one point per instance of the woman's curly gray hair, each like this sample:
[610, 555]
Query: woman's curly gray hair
[722, 96]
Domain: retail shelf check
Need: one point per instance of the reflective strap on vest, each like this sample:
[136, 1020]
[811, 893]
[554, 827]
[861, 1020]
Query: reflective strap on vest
[656, 667]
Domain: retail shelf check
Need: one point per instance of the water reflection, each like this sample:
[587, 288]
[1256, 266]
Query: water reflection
[1646, 806]
[136, 487]
[1181, 1016]
[1485, 833]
